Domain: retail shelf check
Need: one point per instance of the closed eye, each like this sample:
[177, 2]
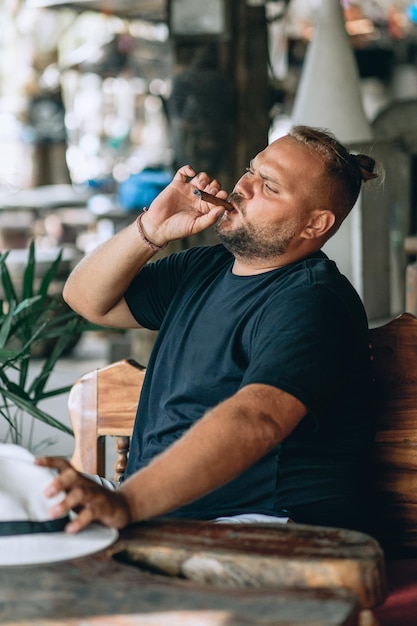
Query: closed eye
[271, 189]
[269, 184]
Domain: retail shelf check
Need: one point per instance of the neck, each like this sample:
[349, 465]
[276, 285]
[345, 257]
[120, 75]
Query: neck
[251, 267]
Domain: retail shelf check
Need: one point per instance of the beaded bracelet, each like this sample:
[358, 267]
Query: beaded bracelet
[145, 240]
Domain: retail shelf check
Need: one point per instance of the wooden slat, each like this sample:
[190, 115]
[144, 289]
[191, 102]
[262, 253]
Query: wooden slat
[392, 455]
[394, 351]
[88, 455]
[118, 388]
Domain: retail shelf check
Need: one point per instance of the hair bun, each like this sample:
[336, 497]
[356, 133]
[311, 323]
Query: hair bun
[366, 165]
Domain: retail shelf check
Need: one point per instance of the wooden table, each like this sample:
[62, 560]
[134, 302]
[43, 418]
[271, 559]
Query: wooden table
[167, 573]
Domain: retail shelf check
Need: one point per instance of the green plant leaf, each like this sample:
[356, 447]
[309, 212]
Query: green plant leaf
[29, 273]
[34, 411]
[6, 326]
[10, 421]
[8, 287]
[31, 321]
[17, 389]
[27, 303]
[6, 410]
[65, 338]
[8, 355]
[58, 325]
[50, 275]
[55, 392]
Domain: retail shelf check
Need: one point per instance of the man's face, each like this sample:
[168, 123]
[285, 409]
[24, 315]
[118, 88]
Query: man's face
[272, 201]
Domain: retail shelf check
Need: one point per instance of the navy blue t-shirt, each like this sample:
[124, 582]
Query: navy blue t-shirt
[301, 328]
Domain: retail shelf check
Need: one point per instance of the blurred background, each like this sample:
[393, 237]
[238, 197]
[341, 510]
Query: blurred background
[101, 100]
[106, 98]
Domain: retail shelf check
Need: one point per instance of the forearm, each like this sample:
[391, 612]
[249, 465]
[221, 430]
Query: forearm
[99, 281]
[224, 443]
[96, 287]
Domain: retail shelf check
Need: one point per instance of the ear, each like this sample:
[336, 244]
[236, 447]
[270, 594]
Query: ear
[319, 224]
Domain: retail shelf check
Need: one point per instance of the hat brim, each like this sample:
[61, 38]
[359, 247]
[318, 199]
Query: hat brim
[49, 547]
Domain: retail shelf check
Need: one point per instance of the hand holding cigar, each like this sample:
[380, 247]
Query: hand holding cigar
[207, 197]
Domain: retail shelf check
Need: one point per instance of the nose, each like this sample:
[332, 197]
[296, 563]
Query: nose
[244, 186]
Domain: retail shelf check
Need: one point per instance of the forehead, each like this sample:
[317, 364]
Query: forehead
[287, 157]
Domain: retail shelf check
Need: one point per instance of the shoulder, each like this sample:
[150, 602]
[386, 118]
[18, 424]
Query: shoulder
[189, 265]
[202, 256]
[317, 294]
[315, 268]
[317, 273]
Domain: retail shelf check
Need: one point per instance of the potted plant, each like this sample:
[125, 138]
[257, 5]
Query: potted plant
[35, 323]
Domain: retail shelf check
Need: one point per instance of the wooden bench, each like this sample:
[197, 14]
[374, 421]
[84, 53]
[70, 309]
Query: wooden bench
[394, 354]
[104, 403]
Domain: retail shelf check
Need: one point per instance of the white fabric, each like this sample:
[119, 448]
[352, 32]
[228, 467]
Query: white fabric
[104, 482]
[253, 518]
[19, 478]
[22, 485]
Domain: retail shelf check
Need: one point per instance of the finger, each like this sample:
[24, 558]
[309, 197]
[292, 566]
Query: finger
[184, 173]
[201, 180]
[77, 497]
[209, 219]
[55, 462]
[84, 495]
[81, 521]
[213, 187]
[67, 474]
[60, 509]
[97, 507]
[64, 482]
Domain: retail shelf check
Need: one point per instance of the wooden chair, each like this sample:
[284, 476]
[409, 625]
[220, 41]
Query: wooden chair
[104, 402]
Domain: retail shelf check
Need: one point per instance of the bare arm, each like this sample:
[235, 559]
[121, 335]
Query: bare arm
[96, 287]
[226, 441]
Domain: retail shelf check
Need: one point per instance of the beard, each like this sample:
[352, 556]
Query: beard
[257, 242]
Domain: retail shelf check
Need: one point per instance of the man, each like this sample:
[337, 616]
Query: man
[255, 399]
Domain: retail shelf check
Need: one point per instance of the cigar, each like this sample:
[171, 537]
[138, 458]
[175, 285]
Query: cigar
[203, 195]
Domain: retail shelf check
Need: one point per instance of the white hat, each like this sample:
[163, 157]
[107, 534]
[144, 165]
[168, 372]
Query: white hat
[28, 534]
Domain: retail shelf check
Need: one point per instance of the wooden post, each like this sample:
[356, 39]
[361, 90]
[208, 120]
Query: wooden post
[249, 55]
[242, 56]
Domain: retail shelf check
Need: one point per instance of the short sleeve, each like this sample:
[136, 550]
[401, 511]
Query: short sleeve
[151, 291]
[155, 287]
